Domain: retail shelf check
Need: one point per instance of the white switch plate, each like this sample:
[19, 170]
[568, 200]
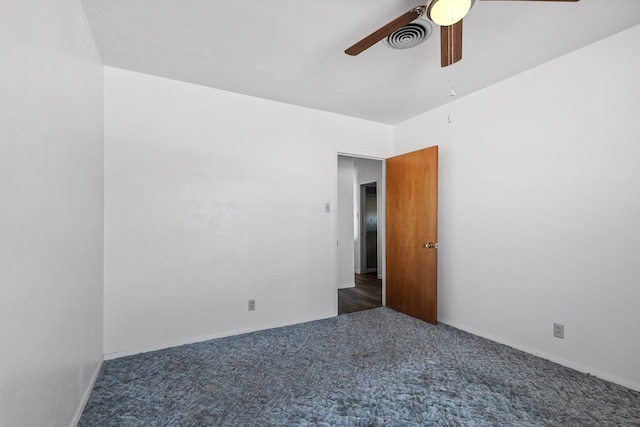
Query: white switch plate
[327, 207]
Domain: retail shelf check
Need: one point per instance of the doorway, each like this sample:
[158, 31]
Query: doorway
[409, 269]
[359, 228]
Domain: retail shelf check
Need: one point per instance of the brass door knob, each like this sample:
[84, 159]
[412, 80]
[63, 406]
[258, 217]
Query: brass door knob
[431, 245]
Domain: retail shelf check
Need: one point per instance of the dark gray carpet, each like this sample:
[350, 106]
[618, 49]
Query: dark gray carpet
[371, 368]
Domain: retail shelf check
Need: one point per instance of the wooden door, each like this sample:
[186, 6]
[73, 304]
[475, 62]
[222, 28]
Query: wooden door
[412, 234]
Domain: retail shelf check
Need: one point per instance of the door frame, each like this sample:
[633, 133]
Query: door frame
[382, 202]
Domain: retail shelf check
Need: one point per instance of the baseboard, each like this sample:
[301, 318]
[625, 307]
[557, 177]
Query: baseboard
[346, 285]
[357, 271]
[85, 397]
[551, 357]
[124, 353]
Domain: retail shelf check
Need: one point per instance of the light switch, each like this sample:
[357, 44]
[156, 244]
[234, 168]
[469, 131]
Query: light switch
[327, 207]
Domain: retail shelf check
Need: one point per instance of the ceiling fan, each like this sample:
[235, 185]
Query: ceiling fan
[447, 14]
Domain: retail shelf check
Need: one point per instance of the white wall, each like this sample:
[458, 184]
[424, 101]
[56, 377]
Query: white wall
[346, 177]
[212, 198]
[539, 208]
[51, 212]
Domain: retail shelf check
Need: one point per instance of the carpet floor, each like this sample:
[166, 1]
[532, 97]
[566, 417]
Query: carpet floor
[371, 368]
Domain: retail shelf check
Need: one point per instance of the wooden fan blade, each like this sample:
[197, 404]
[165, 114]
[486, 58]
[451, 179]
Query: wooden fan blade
[383, 32]
[450, 44]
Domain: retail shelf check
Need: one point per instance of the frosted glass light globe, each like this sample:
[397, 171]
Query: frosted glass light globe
[448, 12]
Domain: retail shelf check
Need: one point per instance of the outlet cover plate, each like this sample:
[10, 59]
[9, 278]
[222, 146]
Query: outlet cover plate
[558, 330]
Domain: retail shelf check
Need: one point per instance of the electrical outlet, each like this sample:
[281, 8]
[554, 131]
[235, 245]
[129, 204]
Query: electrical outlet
[558, 330]
[252, 305]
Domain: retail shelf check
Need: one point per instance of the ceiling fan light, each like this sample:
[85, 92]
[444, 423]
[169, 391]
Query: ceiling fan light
[448, 12]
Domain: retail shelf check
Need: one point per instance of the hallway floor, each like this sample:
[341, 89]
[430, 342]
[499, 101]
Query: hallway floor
[367, 294]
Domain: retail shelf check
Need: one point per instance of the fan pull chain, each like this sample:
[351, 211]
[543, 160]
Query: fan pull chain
[452, 90]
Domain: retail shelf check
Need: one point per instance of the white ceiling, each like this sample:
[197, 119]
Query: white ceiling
[293, 50]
